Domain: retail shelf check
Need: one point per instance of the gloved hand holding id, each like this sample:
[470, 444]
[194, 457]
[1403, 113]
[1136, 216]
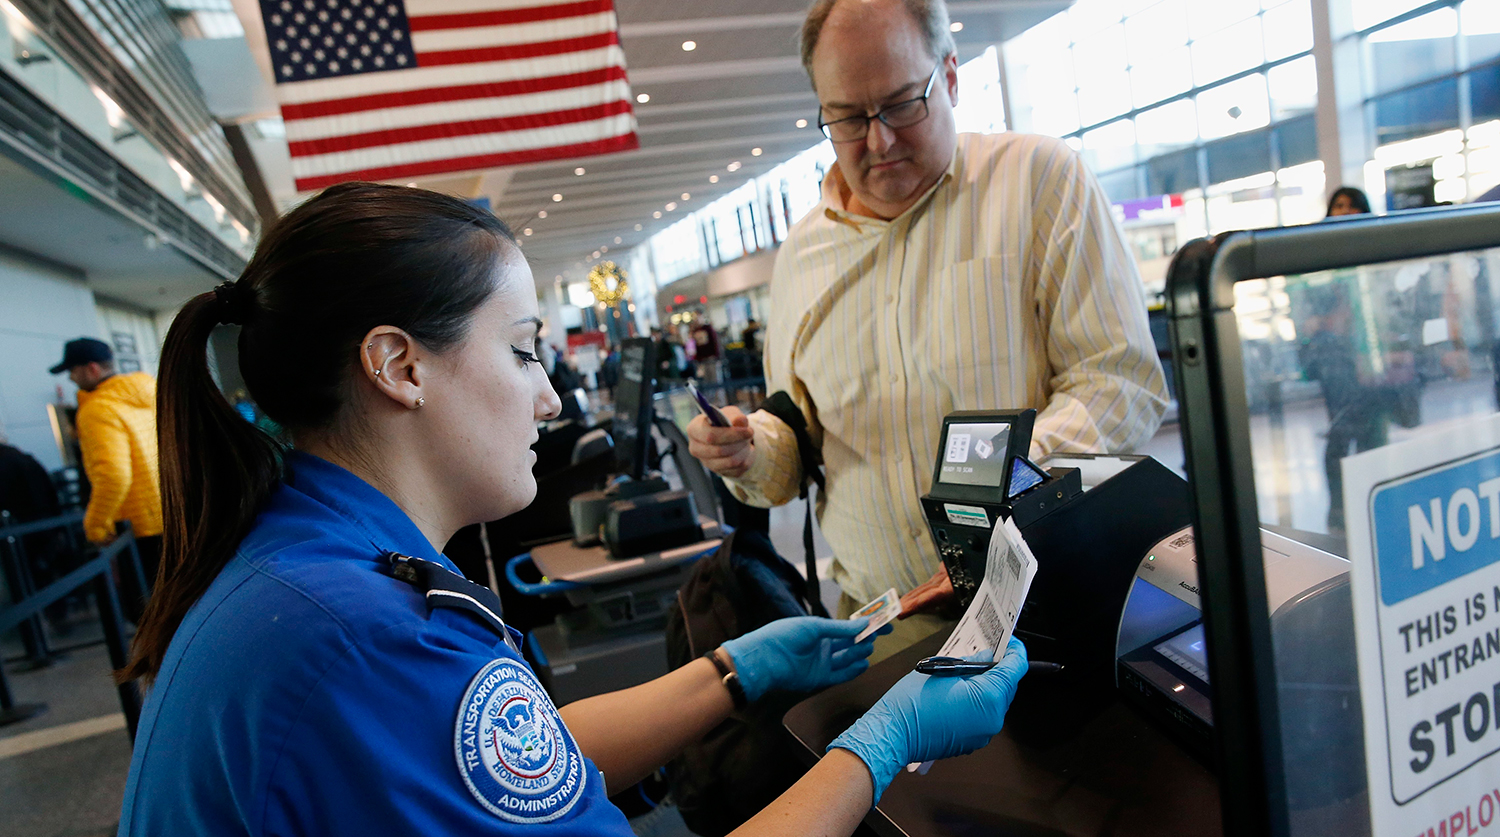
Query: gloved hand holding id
[800, 654]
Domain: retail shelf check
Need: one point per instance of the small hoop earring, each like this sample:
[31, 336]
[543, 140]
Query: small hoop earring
[421, 401]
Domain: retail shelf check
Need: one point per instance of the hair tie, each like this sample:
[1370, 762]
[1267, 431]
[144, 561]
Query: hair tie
[233, 306]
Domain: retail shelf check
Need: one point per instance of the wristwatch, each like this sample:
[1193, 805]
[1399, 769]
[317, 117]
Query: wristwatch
[730, 679]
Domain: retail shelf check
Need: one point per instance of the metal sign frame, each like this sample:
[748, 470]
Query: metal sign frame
[1215, 423]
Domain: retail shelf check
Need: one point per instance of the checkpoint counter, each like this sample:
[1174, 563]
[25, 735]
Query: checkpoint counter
[1226, 669]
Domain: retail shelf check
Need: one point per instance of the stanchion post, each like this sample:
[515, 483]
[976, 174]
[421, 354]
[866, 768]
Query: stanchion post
[114, 640]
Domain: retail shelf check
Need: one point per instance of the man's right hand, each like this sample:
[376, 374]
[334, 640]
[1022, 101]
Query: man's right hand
[727, 451]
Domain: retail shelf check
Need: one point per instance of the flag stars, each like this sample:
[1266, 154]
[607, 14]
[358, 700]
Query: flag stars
[401, 60]
[361, 25]
[388, 49]
[315, 29]
[397, 35]
[276, 20]
[305, 43]
[333, 66]
[357, 64]
[299, 17]
[281, 45]
[379, 61]
[328, 42]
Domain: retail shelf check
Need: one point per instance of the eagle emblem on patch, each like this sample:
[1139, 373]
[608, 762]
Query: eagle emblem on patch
[513, 751]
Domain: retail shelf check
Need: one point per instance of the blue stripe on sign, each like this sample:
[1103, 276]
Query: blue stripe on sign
[1436, 525]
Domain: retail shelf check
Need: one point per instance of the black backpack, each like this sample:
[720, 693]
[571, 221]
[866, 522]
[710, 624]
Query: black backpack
[740, 766]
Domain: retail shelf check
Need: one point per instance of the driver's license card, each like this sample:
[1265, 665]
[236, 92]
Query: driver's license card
[881, 611]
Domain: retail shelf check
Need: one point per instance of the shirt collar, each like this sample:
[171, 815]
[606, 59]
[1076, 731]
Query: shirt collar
[374, 514]
[835, 208]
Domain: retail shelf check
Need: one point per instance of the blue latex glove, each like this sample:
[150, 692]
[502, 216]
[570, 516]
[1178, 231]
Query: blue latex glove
[926, 718]
[800, 654]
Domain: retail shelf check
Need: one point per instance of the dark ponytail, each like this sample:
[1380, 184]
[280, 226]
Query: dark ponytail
[356, 256]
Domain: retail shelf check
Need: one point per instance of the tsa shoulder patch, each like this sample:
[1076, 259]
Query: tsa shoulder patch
[513, 751]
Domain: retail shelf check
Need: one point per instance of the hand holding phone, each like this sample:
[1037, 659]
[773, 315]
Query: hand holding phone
[715, 417]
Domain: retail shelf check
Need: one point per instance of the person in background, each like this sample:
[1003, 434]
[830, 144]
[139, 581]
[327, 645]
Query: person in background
[117, 433]
[750, 337]
[1348, 200]
[706, 350]
[26, 491]
[939, 272]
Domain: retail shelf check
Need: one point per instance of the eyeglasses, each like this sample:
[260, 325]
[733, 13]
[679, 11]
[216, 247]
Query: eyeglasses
[900, 115]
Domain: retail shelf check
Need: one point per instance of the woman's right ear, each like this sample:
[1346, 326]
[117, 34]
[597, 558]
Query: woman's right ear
[388, 360]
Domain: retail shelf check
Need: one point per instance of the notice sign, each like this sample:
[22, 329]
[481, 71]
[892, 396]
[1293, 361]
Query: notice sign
[1424, 543]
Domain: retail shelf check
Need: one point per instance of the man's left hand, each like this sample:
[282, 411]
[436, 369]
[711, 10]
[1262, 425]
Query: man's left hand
[929, 596]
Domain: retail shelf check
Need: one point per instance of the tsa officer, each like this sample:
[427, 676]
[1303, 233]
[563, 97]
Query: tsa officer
[316, 666]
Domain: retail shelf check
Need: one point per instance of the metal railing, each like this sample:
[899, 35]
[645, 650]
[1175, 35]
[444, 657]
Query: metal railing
[39, 138]
[98, 571]
[130, 50]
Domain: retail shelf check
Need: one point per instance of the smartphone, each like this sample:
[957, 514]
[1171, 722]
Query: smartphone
[715, 417]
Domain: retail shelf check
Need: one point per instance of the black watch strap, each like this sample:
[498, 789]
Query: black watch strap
[730, 680]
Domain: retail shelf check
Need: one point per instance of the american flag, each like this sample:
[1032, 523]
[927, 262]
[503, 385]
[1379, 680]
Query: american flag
[391, 89]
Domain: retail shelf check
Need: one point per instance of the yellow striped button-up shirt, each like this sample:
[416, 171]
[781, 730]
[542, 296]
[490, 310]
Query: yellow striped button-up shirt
[1006, 286]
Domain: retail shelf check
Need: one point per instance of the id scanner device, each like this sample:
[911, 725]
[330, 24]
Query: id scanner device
[1163, 664]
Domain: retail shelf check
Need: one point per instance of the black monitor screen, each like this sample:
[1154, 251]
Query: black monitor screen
[974, 454]
[632, 423]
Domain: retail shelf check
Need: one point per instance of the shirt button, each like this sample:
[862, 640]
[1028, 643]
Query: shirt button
[916, 535]
[895, 379]
[890, 299]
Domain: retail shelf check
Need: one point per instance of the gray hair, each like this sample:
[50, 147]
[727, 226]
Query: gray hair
[931, 17]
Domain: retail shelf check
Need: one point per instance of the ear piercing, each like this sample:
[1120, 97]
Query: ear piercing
[420, 401]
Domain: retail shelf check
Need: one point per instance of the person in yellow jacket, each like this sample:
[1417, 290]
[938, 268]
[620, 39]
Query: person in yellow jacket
[117, 432]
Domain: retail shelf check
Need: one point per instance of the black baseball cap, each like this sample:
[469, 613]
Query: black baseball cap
[81, 351]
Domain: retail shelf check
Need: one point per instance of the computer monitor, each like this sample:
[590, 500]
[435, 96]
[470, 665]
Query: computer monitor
[633, 412]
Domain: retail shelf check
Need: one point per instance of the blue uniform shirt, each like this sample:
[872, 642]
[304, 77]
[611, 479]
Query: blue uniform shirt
[310, 692]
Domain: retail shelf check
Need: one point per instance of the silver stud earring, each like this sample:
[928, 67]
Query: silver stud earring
[421, 401]
[377, 373]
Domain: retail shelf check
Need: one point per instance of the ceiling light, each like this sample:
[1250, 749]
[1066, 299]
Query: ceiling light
[643, 98]
[689, 46]
[713, 178]
[604, 249]
[526, 231]
[686, 196]
[735, 166]
[637, 227]
[671, 205]
[656, 214]
[578, 171]
[542, 214]
[594, 255]
[801, 123]
[956, 26]
[618, 239]
[755, 152]
[557, 197]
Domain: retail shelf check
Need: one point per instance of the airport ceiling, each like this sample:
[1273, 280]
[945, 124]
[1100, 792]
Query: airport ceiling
[740, 88]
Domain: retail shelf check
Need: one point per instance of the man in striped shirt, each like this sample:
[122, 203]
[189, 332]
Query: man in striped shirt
[939, 272]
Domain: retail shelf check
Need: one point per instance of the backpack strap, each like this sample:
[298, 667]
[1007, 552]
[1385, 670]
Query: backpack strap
[783, 407]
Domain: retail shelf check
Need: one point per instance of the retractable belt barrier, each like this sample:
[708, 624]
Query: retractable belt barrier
[99, 571]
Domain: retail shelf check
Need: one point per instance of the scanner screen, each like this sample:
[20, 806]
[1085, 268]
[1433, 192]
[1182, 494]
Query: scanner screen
[974, 454]
[1186, 649]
